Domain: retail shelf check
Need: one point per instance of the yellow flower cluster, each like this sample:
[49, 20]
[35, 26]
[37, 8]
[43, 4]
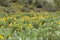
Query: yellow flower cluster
[10, 25]
[1, 37]
[9, 37]
[29, 26]
[58, 23]
[20, 22]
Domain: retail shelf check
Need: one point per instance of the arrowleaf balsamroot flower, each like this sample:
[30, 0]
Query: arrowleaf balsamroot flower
[14, 19]
[28, 18]
[1, 26]
[4, 19]
[1, 37]
[14, 22]
[9, 37]
[58, 23]
[29, 26]
[10, 25]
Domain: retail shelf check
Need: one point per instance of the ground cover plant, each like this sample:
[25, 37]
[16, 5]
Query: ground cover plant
[29, 20]
[30, 26]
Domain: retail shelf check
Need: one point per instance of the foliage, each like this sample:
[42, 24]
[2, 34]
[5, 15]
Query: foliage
[30, 26]
[34, 3]
[17, 24]
[57, 3]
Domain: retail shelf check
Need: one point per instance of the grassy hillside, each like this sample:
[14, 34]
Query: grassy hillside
[30, 26]
[27, 22]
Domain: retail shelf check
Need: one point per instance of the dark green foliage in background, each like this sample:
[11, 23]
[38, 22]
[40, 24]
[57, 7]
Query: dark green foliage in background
[57, 3]
[50, 5]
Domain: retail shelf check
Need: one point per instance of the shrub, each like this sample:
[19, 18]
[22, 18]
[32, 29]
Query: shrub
[57, 3]
[4, 3]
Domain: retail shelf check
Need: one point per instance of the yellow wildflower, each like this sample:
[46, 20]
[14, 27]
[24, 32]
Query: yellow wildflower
[19, 27]
[1, 26]
[1, 37]
[22, 19]
[29, 26]
[4, 19]
[9, 37]
[14, 19]
[40, 24]
[14, 22]
[58, 23]
[43, 17]
[28, 19]
[10, 24]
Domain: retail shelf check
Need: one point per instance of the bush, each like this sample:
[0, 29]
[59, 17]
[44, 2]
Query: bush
[46, 5]
[4, 3]
[57, 3]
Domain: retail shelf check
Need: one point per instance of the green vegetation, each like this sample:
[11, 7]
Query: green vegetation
[29, 20]
[57, 3]
[30, 26]
[50, 5]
